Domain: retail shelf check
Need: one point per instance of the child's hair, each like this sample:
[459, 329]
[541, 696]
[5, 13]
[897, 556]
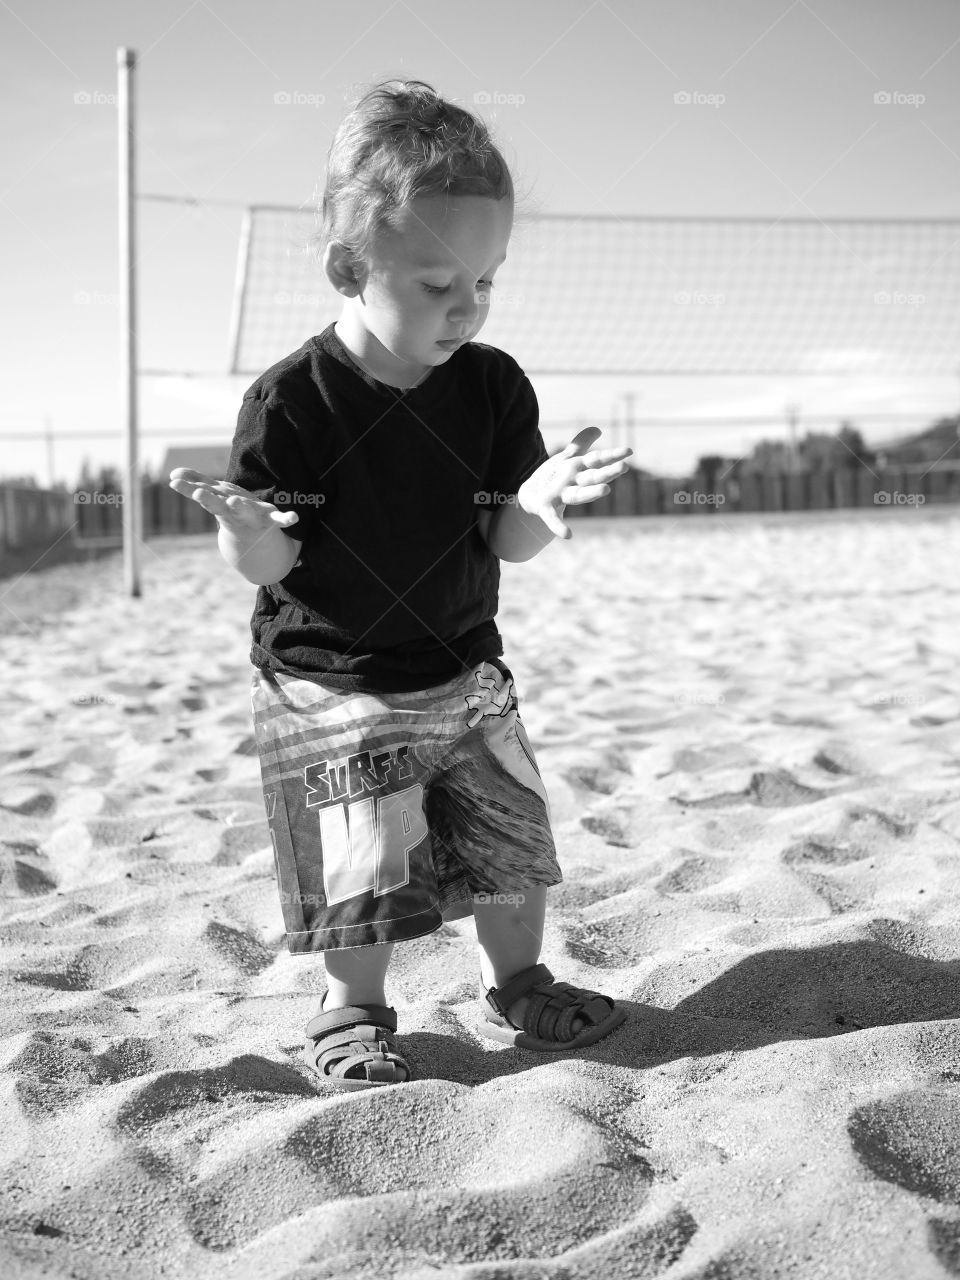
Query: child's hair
[400, 141]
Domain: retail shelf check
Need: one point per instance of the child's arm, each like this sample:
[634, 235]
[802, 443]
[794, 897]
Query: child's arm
[251, 538]
[519, 529]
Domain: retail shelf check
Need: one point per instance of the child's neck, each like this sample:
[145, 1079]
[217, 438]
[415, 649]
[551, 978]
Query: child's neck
[359, 344]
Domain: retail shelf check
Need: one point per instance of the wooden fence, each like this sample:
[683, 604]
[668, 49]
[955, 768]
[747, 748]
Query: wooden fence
[914, 484]
[38, 518]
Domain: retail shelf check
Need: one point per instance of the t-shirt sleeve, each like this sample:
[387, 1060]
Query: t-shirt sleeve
[266, 459]
[518, 447]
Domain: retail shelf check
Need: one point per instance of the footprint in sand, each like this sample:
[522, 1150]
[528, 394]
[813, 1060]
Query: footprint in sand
[608, 829]
[238, 842]
[861, 833]
[211, 775]
[602, 777]
[607, 944]
[912, 1139]
[23, 870]
[245, 952]
[444, 1162]
[811, 849]
[694, 872]
[52, 1070]
[29, 800]
[773, 789]
[943, 1238]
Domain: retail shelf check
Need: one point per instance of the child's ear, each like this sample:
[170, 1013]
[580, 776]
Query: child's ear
[343, 270]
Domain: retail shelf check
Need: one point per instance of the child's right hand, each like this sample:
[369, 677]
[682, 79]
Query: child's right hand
[232, 506]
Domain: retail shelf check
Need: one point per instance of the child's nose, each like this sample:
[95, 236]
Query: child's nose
[465, 308]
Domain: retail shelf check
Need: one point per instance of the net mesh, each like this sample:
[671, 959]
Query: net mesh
[608, 295]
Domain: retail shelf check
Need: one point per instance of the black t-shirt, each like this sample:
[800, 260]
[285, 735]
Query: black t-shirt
[395, 587]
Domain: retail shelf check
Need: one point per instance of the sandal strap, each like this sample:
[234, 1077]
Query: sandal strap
[357, 1036]
[352, 1016]
[501, 998]
[550, 1013]
[345, 1052]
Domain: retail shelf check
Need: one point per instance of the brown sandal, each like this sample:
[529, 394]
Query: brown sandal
[357, 1039]
[549, 1016]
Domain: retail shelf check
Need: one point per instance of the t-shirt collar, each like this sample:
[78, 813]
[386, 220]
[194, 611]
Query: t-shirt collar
[429, 389]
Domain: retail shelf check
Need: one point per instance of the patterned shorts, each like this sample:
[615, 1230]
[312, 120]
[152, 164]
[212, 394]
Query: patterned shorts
[388, 812]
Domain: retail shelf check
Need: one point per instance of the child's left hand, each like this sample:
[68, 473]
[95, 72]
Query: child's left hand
[574, 476]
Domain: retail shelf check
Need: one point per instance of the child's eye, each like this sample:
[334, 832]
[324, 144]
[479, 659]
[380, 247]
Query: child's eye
[485, 285]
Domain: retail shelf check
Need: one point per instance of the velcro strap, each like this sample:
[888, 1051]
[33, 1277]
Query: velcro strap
[344, 1054]
[501, 998]
[380, 1069]
[550, 1014]
[352, 1016]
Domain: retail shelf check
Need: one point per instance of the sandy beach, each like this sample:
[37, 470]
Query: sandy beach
[749, 729]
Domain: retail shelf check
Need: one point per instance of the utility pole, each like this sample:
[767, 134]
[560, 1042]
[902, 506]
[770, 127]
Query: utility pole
[132, 510]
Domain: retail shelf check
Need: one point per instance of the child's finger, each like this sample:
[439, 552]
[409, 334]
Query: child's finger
[603, 457]
[599, 475]
[588, 493]
[553, 522]
[581, 442]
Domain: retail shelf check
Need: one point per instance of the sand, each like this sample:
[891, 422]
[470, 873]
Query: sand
[750, 732]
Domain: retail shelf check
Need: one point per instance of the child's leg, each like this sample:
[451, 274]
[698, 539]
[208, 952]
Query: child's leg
[510, 935]
[355, 976]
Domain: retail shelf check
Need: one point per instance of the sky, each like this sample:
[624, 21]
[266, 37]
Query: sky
[579, 94]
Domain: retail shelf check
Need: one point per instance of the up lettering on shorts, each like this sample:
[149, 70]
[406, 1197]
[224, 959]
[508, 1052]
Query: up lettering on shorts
[365, 839]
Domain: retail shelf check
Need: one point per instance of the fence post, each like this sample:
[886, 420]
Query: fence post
[649, 496]
[867, 488]
[843, 488]
[751, 497]
[626, 493]
[772, 491]
[797, 491]
[819, 490]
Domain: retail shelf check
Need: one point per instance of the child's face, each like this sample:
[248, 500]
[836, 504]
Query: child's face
[428, 282]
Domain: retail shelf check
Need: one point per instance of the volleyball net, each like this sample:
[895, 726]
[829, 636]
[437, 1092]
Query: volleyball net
[640, 296]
